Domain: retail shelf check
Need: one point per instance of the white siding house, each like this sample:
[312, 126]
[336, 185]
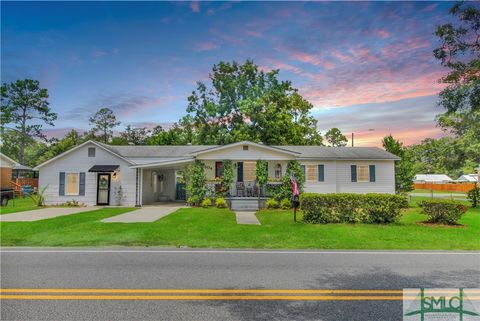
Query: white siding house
[93, 173]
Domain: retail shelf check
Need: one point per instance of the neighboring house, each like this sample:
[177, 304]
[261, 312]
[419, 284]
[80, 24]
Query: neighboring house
[468, 178]
[6, 167]
[432, 178]
[93, 172]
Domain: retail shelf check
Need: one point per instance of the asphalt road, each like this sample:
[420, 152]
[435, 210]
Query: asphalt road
[161, 273]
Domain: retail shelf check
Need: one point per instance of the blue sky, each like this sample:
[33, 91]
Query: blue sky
[362, 64]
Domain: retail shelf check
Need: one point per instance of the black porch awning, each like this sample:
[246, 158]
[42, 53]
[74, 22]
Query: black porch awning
[103, 168]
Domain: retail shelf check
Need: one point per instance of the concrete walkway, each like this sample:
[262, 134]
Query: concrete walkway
[42, 214]
[246, 218]
[144, 214]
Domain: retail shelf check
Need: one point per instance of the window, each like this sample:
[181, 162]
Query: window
[363, 173]
[245, 147]
[278, 171]
[312, 174]
[218, 169]
[304, 172]
[72, 184]
[91, 152]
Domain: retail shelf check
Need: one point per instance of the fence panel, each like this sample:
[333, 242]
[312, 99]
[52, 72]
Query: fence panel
[464, 187]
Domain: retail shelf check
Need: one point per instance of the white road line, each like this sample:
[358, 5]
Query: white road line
[242, 252]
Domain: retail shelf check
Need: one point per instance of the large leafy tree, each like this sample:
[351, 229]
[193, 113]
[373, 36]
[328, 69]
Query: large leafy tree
[25, 109]
[104, 121]
[446, 155]
[335, 138]
[459, 51]
[245, 103]
[404, 168]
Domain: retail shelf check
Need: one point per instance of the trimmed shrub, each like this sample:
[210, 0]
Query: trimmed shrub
[285, 204]
[193, 200]
[206, 203]
[473, 196]
[221, 202]
[443, 211]
[352, 208]
[271, 203]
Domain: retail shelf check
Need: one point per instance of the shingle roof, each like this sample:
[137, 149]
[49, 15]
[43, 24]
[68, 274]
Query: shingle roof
[432, 177]
[321, 152]
[325, 152]
[155, 151]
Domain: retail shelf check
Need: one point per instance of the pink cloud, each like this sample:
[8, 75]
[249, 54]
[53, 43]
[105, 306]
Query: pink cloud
[378, 86]
[342, 57]
[408, 136]
[306, 58]
[195, 6]
[206, 46]
[381, 33]
[393, 51]
[253, 33]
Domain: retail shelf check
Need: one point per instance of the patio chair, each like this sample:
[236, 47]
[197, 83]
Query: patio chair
[240, 189]
[255, 190]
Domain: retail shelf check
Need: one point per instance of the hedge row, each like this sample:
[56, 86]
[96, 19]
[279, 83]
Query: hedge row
[352, 208]
[443, 211]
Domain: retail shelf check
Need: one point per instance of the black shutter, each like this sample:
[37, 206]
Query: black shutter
[61, 184]
[321, 173]
[354, 172]
[240, 172]
[372, 173]
[81, 190]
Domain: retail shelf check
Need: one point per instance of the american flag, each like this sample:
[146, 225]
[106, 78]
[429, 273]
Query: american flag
[294, 185]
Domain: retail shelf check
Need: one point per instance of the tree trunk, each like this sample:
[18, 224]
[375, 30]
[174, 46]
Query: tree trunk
[23, 135]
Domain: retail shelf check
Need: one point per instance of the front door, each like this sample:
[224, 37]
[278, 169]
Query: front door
[103, 189]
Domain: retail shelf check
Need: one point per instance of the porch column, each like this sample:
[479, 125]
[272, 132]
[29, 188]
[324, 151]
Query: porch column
[138, 187]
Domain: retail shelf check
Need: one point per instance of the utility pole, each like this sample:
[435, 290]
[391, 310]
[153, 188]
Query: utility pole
[352, 138]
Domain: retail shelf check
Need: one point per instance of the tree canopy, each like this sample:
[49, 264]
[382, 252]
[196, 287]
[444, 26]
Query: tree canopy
[404, 168]
[104, 121]
[335, 138]
[243, 102]
[24, 110]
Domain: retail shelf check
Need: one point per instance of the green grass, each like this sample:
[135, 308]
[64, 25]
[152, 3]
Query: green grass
[21, 204]
[217, 228]
[437, 192]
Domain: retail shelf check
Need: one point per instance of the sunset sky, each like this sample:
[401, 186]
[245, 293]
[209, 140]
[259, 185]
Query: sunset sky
[363, 65]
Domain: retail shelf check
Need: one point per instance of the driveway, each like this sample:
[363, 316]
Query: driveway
[42, 214]
[145, 214]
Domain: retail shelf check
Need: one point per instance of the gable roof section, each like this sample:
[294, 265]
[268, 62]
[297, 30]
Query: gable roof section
[163, 151]
[4, 157]
[280, 149]
[100, 145]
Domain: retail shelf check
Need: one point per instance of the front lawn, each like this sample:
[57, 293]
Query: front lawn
[18, 205]
[217, 228]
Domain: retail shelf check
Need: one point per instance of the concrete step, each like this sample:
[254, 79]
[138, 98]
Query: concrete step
[244, 205]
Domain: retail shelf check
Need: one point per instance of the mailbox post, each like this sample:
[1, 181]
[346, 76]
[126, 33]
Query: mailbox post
[295, 203]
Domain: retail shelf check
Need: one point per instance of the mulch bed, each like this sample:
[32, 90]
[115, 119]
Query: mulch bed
[430, 224]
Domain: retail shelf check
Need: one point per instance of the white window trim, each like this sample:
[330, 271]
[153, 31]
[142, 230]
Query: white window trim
[66, 182]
